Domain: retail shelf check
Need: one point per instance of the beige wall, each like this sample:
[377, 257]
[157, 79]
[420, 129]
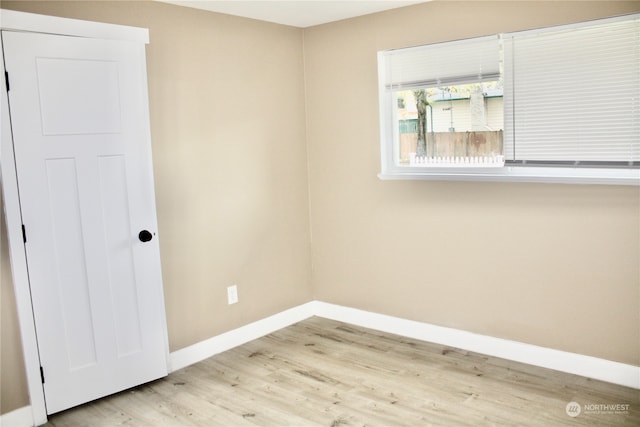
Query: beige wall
[552, 265]
[13, 384]
[227, 123]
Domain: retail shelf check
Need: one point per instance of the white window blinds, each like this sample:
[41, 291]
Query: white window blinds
[572, 94]
[443, 64]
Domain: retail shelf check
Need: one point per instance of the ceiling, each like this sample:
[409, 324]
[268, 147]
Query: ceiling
[297, 13]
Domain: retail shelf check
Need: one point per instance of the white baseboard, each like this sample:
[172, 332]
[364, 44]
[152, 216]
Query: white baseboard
[586, 366]
[228, 340]
[21, 417]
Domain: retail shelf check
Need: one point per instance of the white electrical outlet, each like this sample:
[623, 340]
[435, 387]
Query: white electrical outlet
[232, 294]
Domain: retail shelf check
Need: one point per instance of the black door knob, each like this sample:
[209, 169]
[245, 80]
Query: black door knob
[145, 236]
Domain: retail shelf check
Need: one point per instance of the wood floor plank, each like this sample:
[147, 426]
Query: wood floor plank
[325, 373]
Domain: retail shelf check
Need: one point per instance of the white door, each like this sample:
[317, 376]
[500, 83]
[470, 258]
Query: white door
[79, 117]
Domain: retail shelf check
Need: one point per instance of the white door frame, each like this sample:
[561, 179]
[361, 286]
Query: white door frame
[20, 21]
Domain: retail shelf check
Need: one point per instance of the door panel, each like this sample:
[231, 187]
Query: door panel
[120, 262]
[69, 263]
[89, 104]
[81, 137]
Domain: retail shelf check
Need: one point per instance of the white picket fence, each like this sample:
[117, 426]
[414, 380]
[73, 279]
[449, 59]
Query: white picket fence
[444, 162]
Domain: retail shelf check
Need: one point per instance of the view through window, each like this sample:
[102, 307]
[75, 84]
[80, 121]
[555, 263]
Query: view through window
[459, 125]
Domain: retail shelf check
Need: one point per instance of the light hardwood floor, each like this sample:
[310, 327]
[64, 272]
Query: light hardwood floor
[325, 373]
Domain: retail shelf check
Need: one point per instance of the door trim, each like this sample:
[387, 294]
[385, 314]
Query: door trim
[20, 21]
[35, 23]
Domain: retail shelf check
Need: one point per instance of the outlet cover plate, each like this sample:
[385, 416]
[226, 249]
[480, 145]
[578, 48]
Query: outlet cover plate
[232, 294]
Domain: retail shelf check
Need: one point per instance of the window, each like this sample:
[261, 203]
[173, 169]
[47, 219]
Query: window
[448, 111]
[560, 104]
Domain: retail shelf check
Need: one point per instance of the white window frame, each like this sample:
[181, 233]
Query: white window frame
[510, 173]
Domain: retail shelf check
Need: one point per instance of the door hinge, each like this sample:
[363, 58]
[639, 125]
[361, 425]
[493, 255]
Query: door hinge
[42, 374]
[6, 79]
[24, 234]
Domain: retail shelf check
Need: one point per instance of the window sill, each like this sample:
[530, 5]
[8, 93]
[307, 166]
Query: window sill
[550, 175]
